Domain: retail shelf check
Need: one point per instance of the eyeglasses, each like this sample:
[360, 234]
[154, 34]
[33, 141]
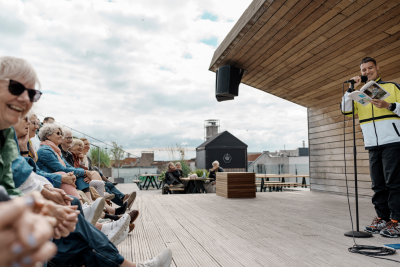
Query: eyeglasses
[68, 138]
[35, 123]
[58, 133]
[16, 88]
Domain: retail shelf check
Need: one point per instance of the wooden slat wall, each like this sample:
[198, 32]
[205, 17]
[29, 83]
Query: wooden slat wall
[302, 51]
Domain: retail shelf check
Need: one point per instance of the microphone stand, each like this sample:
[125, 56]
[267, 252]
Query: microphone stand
[358, 233]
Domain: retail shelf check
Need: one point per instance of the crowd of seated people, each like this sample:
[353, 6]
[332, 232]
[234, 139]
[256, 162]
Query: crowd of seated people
[42, 216]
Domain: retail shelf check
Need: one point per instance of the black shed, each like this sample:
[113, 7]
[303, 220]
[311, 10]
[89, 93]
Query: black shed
[225, 148]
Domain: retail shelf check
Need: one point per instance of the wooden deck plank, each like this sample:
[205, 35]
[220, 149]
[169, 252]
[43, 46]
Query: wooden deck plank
[274, 229]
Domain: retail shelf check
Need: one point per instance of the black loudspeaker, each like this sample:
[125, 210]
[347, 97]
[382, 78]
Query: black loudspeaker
[227, 82]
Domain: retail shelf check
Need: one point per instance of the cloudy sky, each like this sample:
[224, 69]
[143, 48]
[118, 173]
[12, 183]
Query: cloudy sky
[136, 72]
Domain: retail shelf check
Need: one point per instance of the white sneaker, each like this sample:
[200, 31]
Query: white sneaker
[115, 231]
[163, 259]
[93, 212]
[122, 237]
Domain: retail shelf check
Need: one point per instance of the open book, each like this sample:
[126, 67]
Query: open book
[369, 91]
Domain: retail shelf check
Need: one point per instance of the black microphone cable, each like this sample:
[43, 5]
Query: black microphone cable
[370, 251]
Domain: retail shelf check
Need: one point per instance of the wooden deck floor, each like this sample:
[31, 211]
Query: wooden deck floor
[274, 229]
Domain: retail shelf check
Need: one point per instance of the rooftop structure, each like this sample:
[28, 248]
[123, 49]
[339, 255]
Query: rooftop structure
[303, 51]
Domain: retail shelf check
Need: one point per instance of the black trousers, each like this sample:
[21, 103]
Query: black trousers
[384, 165]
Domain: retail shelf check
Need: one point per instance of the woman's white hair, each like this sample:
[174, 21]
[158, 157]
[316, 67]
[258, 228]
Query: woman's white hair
[77, 142]
[19, 70]
[48, 129]
[66, 131]
[216, 162]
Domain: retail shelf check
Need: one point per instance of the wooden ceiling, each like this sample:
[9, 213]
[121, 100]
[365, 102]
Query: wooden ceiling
[302, 50]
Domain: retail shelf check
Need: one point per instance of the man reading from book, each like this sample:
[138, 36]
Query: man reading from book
[380, 124]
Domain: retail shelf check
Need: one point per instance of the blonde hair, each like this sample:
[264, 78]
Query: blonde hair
[216, 162]
[178, 163]
[169, 164]
[77, 142]
[18, 69]
[83, 139]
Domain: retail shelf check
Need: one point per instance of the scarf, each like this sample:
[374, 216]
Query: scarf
[77, 161]
[32, 152]
[55, 149]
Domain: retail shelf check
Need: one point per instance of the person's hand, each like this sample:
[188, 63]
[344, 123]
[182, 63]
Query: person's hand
[380, 103]
[67, 199]
[88, 177]
[171, 185]
[23, 234]
[357, 79]
[23, 142]
[66, 216]
[68, 179]
[53, 196]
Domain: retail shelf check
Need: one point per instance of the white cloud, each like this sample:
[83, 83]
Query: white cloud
[120, 71]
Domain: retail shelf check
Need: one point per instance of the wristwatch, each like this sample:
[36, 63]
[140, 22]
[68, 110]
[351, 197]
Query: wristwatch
[392, 106]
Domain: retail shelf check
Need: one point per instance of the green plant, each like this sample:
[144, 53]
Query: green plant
[105, 160]
[185, 168]
[117, 154]
[162, 176]
[199, 172]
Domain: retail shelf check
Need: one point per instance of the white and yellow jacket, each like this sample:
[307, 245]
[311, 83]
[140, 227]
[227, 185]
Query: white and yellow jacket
[380, 126]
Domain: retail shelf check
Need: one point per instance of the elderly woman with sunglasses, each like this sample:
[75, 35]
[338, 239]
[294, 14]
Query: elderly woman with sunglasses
[50, 160]
[25, 234]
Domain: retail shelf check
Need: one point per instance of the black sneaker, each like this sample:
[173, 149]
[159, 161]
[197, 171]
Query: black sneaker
[392, 229]
[376, 226]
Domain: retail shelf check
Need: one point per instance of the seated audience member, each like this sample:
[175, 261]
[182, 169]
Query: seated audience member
[78, 243]
[210, 186]
[49, 160]
[178, 166]
[48, 120]
[65, 145]
[33, 128]
[109, 187]
[98, 184]
[172, 177]
[28, 177]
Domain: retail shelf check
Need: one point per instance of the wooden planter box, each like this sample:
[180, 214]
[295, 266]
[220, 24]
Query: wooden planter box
[236, 184]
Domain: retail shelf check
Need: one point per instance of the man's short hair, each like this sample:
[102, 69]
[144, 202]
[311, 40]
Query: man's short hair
[368, 59]
[48, 118]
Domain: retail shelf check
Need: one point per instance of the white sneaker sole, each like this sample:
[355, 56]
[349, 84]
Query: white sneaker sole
[124, 235]
[98, 211]
[117, 233]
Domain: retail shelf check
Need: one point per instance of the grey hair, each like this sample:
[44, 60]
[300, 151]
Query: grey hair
[66, 131]
[216, 162]
[30, 114]
[19, 70]
[48, 129]
[77, 142]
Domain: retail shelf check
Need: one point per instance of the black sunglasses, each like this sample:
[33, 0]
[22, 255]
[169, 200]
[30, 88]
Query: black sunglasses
[16, 88]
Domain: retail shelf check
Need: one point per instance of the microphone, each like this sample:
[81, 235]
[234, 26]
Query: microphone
[364, 79]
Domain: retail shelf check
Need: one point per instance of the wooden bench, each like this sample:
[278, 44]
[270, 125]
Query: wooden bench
[278, 186]
[138, 183]
[177, 189]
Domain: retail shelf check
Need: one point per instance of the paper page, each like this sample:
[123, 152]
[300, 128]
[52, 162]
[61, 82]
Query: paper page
[374, 91]
[359, 97]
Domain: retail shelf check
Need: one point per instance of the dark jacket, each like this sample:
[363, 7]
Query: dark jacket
[213, 174]
[67, 156]
[173, 177]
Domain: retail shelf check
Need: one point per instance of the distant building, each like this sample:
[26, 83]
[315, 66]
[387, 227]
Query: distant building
[228, 150]
[294, 161]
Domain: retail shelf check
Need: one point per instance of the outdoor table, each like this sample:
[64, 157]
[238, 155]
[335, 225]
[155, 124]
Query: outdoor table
[150, 179]
[279, 176]
[197, 184]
